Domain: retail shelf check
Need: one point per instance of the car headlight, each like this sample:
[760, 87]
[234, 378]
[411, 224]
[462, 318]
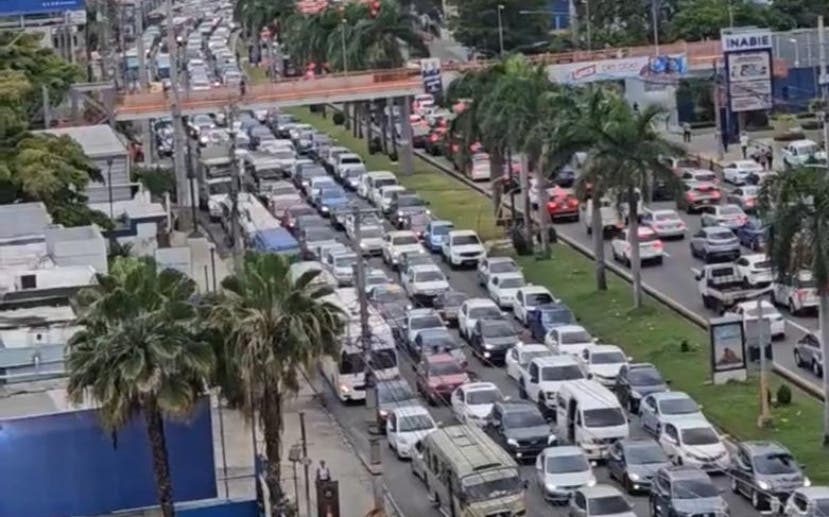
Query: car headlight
[634, 476]
[807, 481]
[324, 208]
[763, 485]
[488, 346]
[550, 487]
[384, 413]
[512, 442]
[591, 482]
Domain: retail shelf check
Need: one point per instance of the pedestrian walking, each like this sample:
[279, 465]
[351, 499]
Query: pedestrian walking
[744, 144]
[242, 86]
[762, 158]
[323, 474]
[686, 132]
[770, 158]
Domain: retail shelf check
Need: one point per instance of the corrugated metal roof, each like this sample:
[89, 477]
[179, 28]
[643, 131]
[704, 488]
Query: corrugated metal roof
[96, 141]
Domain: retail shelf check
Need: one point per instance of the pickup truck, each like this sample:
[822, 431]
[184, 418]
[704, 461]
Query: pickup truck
[611, 219]
[721, 286]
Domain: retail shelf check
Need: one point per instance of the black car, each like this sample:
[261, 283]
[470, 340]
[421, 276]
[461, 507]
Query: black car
[685, 490]
[634, 463]
[637, 380]
[392, 394]
[447, 304]
[519, 428]
[436, 341]
[763, 471]
[490, 340]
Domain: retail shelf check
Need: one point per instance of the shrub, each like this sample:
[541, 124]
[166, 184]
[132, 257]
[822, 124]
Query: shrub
[784, 395]
[684, 346]
[338, 118]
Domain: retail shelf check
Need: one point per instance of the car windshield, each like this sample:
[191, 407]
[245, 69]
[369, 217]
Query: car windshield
[603, 417]
[371, 233]
[607, 358]
[350, 160]
[526, 357]
[666, 217]
[694, 489]
[331, 193]
[523, 419]
[822, 507]
[730, 210]
[533, 299]
[429, 276]
[608, 505]
[346, 261]
[781, 463]
[352, 363]
[720, 235]
[411, 423]
[389, 295]
[512, 283]
[409, 201]
[441, 229]
[645, 377]
[482, 313]
[503, 267]
[477, 487]
[699, 436]
[376, 279]
[477, 397]
[561, 373]
[498, 330]
[384, 182]
[645, 455]
[565, 464]
[463, 240]
[576, 336]
[557, 316]
[394, 393]
[678, 406]
[316, 234]
[445, 368]
[353, 172]
[426, 322]
[404, 240]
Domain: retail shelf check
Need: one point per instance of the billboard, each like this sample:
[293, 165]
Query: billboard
[65, 464]
[661, 68]
[748, 67]
[430, 72]
[18, 7]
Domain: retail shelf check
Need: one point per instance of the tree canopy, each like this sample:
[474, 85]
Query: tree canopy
[476, 24]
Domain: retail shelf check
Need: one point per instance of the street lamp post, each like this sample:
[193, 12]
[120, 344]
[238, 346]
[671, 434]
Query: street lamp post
[500, 30]
[589, 28]
[342, 34]
[655, 17]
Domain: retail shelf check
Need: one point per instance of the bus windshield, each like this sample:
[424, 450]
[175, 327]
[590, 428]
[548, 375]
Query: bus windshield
[352, 363]
[383, 358]
[491, 485]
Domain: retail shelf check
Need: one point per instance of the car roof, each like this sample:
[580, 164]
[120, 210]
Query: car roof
[513, 274]
[662, 211]
[764, 447]
[563, 450]
[463, 232]
[493, 260]
[425, 267]
[716, 228]
[632, 443]
[533, 288]
[531, 347]
[686, 472]
[479, 386]
[479, 302]
[411, 411]
[604, 348]
[401, 233]
[597, 491]
[440, 358]
[507, 406]
[755, 257]
[692, 423]
[669, 395]
[555, 360]
[564, 329]
[420, 313]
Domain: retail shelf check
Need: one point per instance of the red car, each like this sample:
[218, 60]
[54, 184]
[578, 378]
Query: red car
[562, 204]
[697, 194]
[437, 377]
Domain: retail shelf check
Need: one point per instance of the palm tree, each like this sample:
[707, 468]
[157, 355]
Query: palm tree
[376, 42]
[137, 354]
[272, 329]
[255, 15]
[632, 152]
[796, 206]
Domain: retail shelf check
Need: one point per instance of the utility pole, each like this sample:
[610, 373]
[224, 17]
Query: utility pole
[306, 463]
[525, 198]
[500, 30]
[138, 13]
[823, 79]
[407, 151]
[235, 180]
[543, 214]
[182, 187]
[764, 420]
[655, 16]
[717, 118]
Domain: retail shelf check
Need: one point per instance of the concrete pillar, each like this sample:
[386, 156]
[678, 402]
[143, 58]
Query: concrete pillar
[406, 144]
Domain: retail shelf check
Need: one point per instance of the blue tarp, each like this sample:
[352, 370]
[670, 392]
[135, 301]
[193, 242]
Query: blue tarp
[275, 240]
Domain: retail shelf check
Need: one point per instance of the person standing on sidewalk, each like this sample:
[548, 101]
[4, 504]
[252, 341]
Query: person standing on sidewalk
[744, 144]
[323, 474]
[770, 158]
[686, 132]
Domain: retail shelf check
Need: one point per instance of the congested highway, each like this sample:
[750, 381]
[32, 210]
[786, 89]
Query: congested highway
[407, 491]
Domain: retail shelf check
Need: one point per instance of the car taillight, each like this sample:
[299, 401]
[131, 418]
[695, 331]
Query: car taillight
[657, 244]
[433, 138]
[750, 201]
[691, 196]
[552, 205]
[715, 193]
[573, 202]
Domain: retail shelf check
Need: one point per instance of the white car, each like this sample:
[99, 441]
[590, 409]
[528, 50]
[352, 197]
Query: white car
[694, 442]
[665, 223]
[542, 378]
[318, 183]
[405, 426]
[561, 470]
[798, 292]
[755, 269]
[568, 339]
[748, 312]
[528, 298]
[340, 262]
[737, 172]
[346, 161]
[463, 248]
[424, 281]
[300, 162]
[657, 409]
[376, 276]
[602, 363]
[381, 197]
[495, 265]
[503, 286]
[418, 320]
[802, 152]
[519, 356]
[398, 242]
[371, 239]
[650, 247]
[472, 402]
[474, 309]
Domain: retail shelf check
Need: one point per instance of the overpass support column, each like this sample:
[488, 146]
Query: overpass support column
[406, 143]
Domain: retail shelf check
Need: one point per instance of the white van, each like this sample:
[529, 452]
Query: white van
[590, 416]
[374, 179]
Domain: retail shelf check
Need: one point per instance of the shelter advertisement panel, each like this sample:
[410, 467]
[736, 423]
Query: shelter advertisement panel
[749, 80]
[663, 68]
[728, 350]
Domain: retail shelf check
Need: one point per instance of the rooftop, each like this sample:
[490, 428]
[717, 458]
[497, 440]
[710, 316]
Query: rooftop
[23, 219]
[97, 141]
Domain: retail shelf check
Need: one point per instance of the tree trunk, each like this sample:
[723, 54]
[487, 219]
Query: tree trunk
[272, 423]
[393, 129]
[367, 115]
[161, 463]
[361, 114]
[598, 241]
[543, 214]
[633, 237]
[384, 126]
[824, 348]
[526, 207]
[347, 121]
[355, 119]
[496, 175]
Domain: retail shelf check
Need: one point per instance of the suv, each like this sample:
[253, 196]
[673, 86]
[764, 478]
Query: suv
[437, 377]
[462, 248]
[713, 242]
[685, 491]
[808, 354]
[637, 380]
[766, 473]
[519, 428]
[730, 216]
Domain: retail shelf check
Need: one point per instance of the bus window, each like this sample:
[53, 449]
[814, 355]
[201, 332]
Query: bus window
[352, 363]
[383, 358]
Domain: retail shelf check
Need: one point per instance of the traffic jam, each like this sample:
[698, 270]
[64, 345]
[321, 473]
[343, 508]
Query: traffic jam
[485, 386]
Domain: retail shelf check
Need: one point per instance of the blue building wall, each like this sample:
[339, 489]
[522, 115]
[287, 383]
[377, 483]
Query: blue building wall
[65, 464]
[793, 92]
[220, 509]
[559, 14]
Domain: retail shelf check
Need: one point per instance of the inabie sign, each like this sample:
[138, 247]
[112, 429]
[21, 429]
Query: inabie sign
[736, 40]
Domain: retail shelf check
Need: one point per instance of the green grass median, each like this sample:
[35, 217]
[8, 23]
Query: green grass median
[652, 334]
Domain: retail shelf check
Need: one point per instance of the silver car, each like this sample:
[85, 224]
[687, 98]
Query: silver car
[745, 197]
[766, 473]
[807, 354]
[808, 502]
[730, 216]
[715, 242]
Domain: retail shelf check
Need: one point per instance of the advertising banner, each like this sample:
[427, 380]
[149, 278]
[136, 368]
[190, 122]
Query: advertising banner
[18, 7]
[728, 352]
[430, 72]
[749, 80]
[658, 69]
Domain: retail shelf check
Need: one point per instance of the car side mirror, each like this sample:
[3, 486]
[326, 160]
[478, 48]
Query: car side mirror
[414, 368]
[668, 382]
[629, 358]
[525, 484]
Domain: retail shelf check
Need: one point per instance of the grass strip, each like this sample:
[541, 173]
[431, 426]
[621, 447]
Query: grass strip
[652, 334]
